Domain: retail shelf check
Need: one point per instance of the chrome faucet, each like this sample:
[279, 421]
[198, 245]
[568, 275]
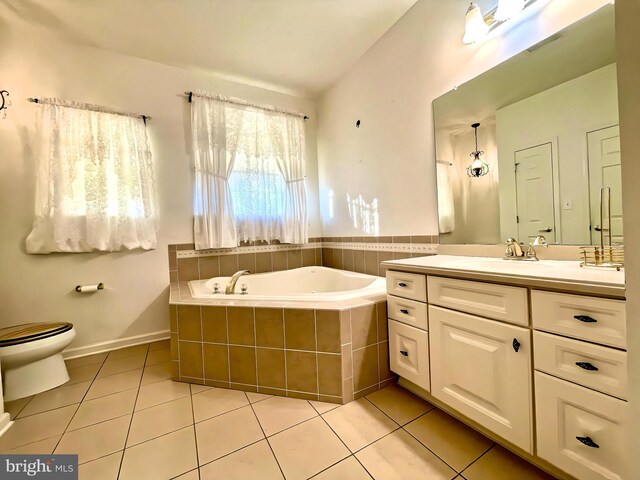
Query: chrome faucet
[231, 286]
[539, 241]
[514, 250]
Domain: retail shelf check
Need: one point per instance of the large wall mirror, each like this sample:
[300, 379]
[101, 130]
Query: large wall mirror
[548, 130]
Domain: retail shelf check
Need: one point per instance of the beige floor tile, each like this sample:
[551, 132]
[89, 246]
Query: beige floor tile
[195, 388]
[160, 392]
[253, 462]
[257, 397]
[55, 398]
[15, 407]
[500, 464]
[400, 404]
[83, 374]
[160, 345]
[161, 458]
[37, 427]
[113, 365]
[104, 408]
[349, 468]
[399, 456]
[359, 423]
[227, 433]
[323, 407]
[128, 351]
[105, 468]
[306, 449]
[88, 360]
[158, 356]
[451, 440]
[216, 401]
[278, 413]
[192, 475]
[160, 420]
[45, 446]
[97, 440]
[114, 384]
[156, 373]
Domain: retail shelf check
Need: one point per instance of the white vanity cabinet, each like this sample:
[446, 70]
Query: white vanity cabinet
[544, 370]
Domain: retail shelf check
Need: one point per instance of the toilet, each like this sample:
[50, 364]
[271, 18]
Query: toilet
[31, 357]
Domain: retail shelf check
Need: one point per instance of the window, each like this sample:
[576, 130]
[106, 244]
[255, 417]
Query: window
[95, 188]
[249, 181]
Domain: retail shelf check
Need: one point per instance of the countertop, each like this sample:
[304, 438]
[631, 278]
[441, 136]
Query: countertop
[557, 275]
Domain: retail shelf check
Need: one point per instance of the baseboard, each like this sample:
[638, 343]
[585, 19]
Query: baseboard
[116, 344]
[5, 423]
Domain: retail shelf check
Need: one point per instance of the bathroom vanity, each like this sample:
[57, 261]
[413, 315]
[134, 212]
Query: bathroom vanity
[532, 354]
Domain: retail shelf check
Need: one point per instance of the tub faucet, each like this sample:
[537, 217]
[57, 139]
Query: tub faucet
[231, 286]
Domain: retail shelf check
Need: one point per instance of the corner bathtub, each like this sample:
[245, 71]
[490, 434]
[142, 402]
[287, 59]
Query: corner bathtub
[306, 284]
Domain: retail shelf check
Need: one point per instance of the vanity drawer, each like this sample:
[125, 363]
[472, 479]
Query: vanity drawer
[409, 353]
[580, 431]
[500, 302]
[407, 285]
[598, 320]
[600, 368]
[407, 311]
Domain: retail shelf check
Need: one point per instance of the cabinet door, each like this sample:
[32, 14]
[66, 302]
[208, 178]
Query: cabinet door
[409, 353]
[482, 368]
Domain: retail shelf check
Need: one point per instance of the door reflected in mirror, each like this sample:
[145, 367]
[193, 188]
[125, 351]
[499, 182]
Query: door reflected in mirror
[549, 132]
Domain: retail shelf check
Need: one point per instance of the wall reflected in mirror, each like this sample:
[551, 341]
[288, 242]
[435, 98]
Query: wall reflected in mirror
[550, 140]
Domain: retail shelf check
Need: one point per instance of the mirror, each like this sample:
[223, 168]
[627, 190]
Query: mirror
[549, 138]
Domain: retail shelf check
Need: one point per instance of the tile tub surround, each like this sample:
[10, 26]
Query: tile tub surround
[332, 355]
[126, 423]
[355, 254]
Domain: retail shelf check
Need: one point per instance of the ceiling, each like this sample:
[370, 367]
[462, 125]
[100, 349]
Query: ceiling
[301, 46]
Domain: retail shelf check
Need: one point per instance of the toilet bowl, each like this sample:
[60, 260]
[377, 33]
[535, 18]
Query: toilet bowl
[31, 358]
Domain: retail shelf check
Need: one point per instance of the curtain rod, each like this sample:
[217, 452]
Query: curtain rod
[88, 106]
[444, 163]
[233, 101]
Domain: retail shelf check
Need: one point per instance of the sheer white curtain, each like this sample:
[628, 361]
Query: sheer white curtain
[251, 186]
[446, 212]
[95, 187]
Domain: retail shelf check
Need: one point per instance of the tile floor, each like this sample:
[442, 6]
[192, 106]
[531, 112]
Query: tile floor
[126, 419]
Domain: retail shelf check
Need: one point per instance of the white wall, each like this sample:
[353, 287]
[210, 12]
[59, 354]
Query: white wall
[561, 115]
[40, 288]
[391, 156]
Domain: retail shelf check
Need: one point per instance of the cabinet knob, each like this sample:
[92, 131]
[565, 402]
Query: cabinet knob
[587, 366]
[516, 345]
[402, 284]
[404, 352]
[405, 311]
[588, 442]
[585, 318]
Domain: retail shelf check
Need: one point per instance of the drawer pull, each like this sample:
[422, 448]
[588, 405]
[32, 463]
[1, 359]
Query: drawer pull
[516, 345]
[402, 284]
[588, 442]
[585, 318]
[405, 311]
[587, 366]
[404, 352]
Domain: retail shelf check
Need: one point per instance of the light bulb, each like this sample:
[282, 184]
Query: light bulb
[476, 27]
[508, 9]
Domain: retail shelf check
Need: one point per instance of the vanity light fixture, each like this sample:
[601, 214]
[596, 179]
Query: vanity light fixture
[507, 9]
[476, 27]
[478, 168]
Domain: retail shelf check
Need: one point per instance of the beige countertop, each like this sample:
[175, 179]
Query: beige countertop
[557, 275]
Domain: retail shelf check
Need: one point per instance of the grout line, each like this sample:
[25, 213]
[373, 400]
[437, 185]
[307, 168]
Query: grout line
[195, 434]
[487, 451]
[124, 448]
[265, 435]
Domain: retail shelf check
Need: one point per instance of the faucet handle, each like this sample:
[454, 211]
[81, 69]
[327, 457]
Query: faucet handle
[216, 288]
[540, 241]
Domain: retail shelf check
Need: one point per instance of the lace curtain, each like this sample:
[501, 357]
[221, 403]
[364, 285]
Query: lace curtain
[95, 188]
[249, 175]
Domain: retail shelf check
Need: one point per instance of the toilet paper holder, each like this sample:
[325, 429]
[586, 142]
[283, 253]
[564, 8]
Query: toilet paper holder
[79, 287]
